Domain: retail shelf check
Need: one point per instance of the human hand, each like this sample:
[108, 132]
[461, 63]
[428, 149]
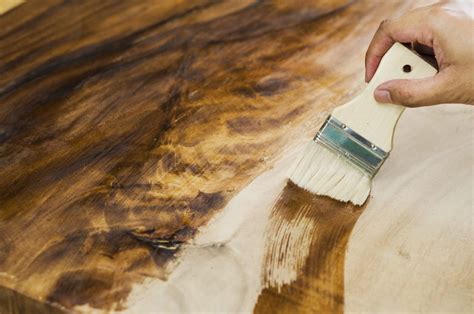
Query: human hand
[444, 29]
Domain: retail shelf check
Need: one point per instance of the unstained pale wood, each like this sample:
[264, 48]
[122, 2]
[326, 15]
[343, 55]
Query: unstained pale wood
[7, 5]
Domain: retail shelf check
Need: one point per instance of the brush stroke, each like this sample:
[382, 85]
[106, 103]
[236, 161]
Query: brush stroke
[303, 266]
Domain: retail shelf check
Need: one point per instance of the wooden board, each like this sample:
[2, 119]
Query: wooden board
[406, 253]
[126, 127]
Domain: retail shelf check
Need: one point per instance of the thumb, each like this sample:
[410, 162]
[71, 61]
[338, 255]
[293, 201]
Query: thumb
[412, 93]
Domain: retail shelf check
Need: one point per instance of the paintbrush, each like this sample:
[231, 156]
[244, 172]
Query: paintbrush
[356, 138]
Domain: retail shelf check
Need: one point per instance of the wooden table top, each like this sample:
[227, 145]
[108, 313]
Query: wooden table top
[127, 126]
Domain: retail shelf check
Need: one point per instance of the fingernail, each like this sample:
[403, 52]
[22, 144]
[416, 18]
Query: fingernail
[383, 96]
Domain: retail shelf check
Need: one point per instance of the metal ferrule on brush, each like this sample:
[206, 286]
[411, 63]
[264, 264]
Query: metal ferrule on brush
[341, 139]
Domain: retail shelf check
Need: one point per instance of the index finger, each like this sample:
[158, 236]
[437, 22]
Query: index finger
[412, 27]
[380, 44]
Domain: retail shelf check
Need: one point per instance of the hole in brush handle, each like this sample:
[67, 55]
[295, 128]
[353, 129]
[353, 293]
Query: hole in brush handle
[407, 68]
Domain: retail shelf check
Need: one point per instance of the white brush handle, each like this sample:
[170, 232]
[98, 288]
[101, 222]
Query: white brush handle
[375, 121]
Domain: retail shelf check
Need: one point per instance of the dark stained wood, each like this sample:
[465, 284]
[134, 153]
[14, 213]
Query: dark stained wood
[16, 303]
[127, 125]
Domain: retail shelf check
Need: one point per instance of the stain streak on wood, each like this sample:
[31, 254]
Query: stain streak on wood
[303, 268]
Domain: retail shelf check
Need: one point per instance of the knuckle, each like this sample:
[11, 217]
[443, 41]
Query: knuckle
[383, 28]
[436, 9]
[384, 24]
[436, 12]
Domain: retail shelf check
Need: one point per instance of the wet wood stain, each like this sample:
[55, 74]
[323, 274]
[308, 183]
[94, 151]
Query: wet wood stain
[12, 302]
[303, 268]
[125, 126]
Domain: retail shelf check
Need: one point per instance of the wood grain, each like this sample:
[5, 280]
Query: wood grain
[126, 127]
[408, 252]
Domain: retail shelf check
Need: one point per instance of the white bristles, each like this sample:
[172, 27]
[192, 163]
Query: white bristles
[323, 172]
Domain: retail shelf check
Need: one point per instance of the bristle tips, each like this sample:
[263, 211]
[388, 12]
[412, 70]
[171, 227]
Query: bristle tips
[323, 172]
